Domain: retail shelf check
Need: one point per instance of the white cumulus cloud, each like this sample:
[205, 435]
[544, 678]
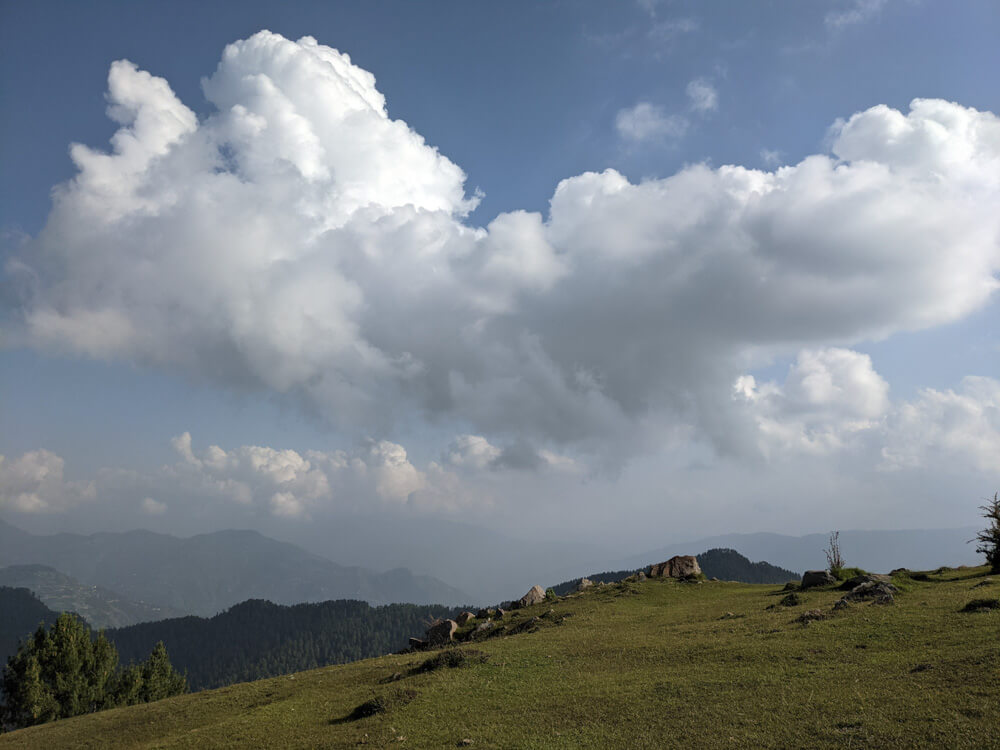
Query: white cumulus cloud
[298, 239]
[34, 483]
[828, 396]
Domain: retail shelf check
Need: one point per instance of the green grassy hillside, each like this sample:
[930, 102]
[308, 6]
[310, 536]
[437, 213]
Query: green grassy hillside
[653, 664]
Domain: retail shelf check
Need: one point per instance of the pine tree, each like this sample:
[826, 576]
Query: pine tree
[989, 538]
[65, 671]
[159, 678]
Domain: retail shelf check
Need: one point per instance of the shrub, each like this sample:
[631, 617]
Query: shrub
[988, 540]
[834, 558]
[846, 574]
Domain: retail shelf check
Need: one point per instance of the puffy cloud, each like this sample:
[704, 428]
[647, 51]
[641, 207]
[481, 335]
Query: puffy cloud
[302, 241]
[703, 95]
[34, 483]
[477, 453]
[472, 450]
[948, 430]
[289, 484]
[648, 122]
[827, 397]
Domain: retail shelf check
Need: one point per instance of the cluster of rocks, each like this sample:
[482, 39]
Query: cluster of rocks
[443, 632]
[685, 568]
[867, 588]
[877, 589]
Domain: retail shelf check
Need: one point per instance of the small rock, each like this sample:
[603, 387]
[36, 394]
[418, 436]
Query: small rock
[640, 576]
[500, 614]
[485, 613]
[535, 595]
[464, 618]
[811, 616]
[585, 583]
[526, 626]
[465, 742]
[816, 578]
[841, 604]
[485, 626]
[791, 600]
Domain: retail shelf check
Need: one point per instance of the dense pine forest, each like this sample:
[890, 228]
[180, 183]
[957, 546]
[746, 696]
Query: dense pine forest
[257, 639]
[20, 613]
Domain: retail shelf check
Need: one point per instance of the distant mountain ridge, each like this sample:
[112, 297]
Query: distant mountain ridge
[878, 551]
[208, 573]
[101, 607]
[724, 564]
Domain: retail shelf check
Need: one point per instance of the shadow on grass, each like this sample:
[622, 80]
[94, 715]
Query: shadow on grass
[378, 704]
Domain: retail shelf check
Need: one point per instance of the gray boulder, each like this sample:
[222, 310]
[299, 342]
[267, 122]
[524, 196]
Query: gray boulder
[679, 566]
[813, 578]
[535, 595]
[585, 583]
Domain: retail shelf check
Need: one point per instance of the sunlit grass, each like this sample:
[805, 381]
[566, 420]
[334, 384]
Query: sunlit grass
[653, 664]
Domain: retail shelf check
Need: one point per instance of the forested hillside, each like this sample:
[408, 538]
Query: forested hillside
[258, 639]
[20, 613]
[730, 565]
[724, 564]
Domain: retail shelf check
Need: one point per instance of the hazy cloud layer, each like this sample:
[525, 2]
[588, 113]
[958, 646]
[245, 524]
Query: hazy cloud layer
[852, 13]
[301, 240]
[34, 483]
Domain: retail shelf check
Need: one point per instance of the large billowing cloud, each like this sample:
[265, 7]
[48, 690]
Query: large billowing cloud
[301, 240]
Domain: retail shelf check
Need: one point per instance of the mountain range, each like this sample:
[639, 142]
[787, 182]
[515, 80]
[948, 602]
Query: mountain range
[208, 573]
[878, 551]
[100, 607]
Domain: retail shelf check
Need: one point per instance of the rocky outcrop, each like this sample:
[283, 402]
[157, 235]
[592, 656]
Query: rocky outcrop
[585, 583]
[441, 632]
[536, 595]
[876, 591]
[679, 566]
[853, 583]
[464, 618]
[813, 578]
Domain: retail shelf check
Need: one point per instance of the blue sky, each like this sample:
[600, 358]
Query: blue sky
[519, 96]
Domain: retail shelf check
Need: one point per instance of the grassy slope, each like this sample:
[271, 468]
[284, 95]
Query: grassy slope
[637, 665]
